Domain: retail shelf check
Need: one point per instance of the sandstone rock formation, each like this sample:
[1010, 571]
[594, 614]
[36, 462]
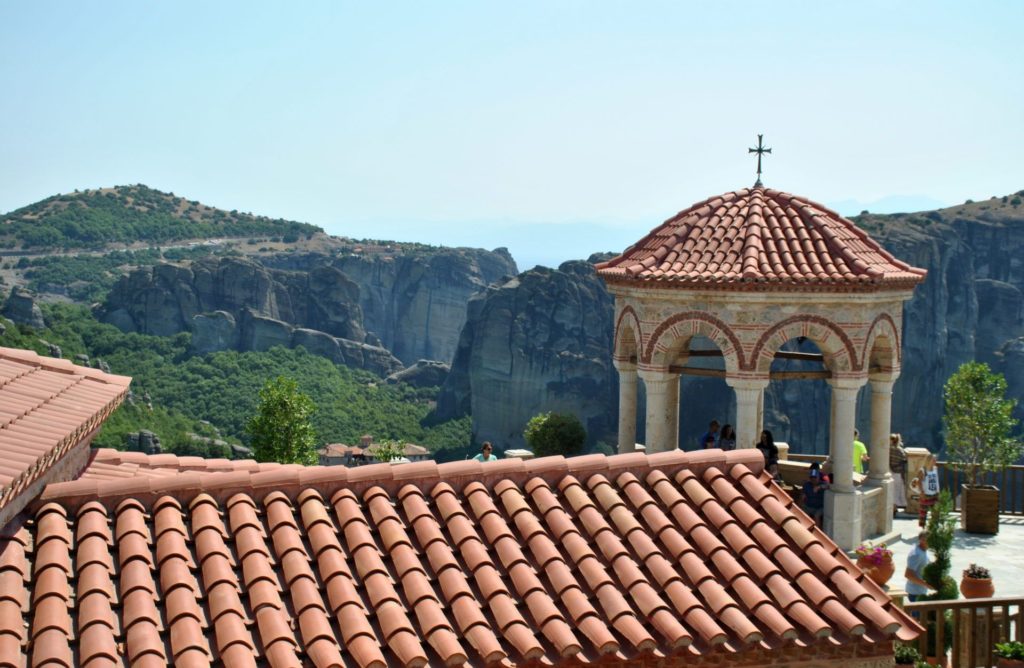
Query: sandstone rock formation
[21, 308]
[539, 342]
[414, 301]
[233, 303]
[425, 373]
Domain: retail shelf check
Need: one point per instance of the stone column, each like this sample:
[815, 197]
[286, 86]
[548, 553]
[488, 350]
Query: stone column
[879, 474]
[842, 501]
[662, 416]
[760, 412]
[627, 405]
[749, 393]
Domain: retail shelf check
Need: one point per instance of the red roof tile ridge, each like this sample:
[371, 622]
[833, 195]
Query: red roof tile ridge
[293, 479]
[62, 365]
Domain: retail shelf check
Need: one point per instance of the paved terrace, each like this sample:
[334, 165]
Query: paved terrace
[1003, 554]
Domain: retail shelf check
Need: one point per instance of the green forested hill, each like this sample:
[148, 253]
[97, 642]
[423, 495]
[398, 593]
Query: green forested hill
[222, 388]
[131, 214]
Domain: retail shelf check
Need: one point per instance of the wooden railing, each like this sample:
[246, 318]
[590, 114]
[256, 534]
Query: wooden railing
[1010, 482]
[976, 625]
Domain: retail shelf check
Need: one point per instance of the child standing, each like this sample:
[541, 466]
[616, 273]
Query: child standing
[928, 477]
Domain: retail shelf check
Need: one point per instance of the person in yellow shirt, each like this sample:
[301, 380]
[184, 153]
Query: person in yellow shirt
[860, 453]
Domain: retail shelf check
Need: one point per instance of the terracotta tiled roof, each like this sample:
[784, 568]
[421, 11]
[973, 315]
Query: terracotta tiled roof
[108, 464]
[761, 239]
[551, 560]
[47, 407]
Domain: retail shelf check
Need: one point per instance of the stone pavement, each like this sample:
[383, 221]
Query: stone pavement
[1003, 554]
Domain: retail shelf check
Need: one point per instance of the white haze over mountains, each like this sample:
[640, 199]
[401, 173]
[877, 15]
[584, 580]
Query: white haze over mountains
[552, 243]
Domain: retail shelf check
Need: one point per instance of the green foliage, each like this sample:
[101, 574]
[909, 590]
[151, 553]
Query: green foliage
[555, 434]
[129, 214]
[281, 430]
[979, 421]
[222, 387]
[389, 450]
[906, 654]
[1009, 650]
[941, 528]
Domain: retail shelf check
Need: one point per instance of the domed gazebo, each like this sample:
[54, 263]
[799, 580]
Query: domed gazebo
[751, 270]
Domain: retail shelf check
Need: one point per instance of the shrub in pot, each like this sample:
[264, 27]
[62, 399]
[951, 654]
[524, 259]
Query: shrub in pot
[906, 655]
[979, 423]
[977, 582]
[1010, 654]
[941, 527]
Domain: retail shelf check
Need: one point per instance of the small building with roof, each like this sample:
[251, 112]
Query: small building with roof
[751, 270]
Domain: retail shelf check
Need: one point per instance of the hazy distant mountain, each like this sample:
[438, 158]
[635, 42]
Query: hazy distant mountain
[131, 214]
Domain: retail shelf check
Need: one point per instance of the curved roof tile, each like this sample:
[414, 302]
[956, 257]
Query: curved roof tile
[564, 561]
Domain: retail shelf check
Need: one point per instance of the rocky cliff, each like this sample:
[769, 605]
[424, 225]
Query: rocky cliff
[514, 354]
[239, 304]
[539, 342]
[414, 301]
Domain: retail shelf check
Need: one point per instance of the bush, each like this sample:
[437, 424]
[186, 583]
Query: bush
[941, 527]
[906, 654]
[281, 431]
[555, 434]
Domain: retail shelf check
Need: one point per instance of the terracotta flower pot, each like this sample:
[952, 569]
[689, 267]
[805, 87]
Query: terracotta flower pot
[1009, 663]
[977, 587]
[879, 573]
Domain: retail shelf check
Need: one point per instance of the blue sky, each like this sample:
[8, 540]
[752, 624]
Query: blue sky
[556, 128]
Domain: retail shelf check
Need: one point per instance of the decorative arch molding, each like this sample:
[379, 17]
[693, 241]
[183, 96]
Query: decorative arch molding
[883, 324]
[628, 311]
[836, 344]
[701, 324]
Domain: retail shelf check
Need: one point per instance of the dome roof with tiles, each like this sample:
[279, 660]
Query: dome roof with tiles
[761, 239]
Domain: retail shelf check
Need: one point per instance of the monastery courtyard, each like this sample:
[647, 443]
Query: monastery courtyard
[1001, 553]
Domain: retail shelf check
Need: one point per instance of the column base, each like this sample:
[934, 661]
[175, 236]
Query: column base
[843, 518]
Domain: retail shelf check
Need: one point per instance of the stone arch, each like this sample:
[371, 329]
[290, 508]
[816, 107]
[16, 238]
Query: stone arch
[628, 324]
[677, 331]
[835, 344]
[882, 347]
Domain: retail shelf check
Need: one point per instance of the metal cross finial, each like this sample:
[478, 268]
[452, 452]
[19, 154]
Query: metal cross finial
[760, 150]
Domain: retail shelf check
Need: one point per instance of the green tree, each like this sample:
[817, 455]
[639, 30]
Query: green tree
[978, 421]
[555, 434]
[389, 450]
[281, 430]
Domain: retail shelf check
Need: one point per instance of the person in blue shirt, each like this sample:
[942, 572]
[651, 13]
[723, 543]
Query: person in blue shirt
[710, 436]
[814, 493]
[916, 586]
[486, 455]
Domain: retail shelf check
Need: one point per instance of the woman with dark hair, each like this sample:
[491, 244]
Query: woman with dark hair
[727, 439]
[771, 453]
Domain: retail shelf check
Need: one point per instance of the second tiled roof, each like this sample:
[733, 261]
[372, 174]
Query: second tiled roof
[549, 560]
[758, 239]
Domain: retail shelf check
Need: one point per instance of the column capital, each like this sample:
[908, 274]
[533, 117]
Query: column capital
[624, 364]
[655, 375]
[883, 377]
[746, 382]
[847, 382]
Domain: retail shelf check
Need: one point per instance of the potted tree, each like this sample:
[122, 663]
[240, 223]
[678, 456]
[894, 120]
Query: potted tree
[1010, 654]
[978, 424]
[977, 582]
